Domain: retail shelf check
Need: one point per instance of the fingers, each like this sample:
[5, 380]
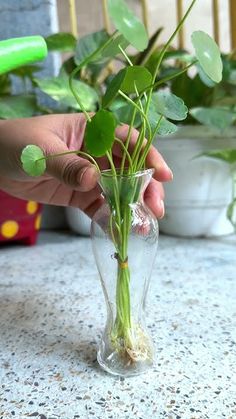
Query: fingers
[153, 197]
[71, 170]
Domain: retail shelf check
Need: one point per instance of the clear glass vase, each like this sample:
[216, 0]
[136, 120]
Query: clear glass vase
[124, 236]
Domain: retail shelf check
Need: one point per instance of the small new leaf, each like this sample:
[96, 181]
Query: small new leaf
[30, 160]
[100, 133]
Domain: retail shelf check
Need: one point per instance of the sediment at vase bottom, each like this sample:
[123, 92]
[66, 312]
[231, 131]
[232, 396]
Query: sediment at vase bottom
[121, 362]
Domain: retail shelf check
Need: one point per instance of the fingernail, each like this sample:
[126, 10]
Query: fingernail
[162, 206]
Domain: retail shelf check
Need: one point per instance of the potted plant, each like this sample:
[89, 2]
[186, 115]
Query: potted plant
[124, 231]
[201, 199]
[19, 219]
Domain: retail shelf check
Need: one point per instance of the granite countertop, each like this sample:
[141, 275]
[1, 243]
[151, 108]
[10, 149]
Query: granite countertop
[52, 311]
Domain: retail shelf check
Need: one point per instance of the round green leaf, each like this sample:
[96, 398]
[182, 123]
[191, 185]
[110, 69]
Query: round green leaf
[136, 76]
[126, 80]
[128, 24]
[100, 133]
[208, 54]
[30, 160]
[169, 105]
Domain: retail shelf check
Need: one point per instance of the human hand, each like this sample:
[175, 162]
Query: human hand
[69, 180]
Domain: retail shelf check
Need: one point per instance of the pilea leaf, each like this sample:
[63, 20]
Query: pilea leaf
[208, 54]
[126, 80]
[100, 133]
[128, 24]
[136, 76]
[30, 160]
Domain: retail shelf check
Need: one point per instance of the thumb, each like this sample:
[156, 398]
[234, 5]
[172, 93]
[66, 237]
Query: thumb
[72, 170]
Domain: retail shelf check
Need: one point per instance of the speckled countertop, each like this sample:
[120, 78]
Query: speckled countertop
[52, 311]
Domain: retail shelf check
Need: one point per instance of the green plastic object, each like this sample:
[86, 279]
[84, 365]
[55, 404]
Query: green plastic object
[16, 52]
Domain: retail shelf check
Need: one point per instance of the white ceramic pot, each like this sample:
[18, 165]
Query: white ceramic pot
[78, 221]
[196, 200]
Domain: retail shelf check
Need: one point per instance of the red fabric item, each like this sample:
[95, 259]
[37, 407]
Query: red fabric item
[19, 219]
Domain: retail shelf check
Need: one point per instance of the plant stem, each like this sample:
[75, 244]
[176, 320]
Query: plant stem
[126, 153]
[78, 152]
[88, 59]
[138, 108]
[128, 140]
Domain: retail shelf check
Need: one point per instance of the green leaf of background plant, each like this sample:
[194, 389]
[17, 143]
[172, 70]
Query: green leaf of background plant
[113, 49]
[124, 113]
[136, 76]
[5, 84]
[58, 88]
[208, 54]
[166, 127]
[169, 105]
[230, 212]
[26, 71]
[214, 117]
[192, 90]
[62, 41]
[88, 44]
[100, 133]
[128, 24]
[226, 155]
[29, 160]
[113, 88]
[18, 106]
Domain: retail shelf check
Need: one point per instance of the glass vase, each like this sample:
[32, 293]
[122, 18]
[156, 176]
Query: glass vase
[124, 236]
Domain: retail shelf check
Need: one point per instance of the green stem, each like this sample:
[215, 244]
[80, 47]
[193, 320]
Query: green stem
[79, 152]
[88, 59]
[126, 153]
[125, 55]
[128, 140]
[138, 108]
[165, 48]
[147, 146]
[168, 78]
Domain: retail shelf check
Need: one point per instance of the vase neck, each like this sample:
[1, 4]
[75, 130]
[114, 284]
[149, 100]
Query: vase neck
[129, 189]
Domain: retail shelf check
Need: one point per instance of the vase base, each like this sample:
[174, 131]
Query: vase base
[115, 365]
